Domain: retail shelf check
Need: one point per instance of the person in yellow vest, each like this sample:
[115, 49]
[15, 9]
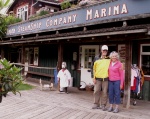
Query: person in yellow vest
[100, 79]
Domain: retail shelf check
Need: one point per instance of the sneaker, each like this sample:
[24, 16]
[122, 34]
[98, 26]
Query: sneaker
[95, 106]
[99, 107]
[104, 108]
[116, 110]
[110, 109]
[67, 92]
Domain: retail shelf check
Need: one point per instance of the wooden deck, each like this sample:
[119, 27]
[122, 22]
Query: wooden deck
[36, 104]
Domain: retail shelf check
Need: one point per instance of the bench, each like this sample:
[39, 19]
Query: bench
[40, 74]
[43, 84]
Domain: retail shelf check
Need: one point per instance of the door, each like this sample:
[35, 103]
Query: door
[87, 54]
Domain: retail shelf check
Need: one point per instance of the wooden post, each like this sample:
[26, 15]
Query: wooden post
[22, 57]
[2, 52]
[126, 98]
[60, 60]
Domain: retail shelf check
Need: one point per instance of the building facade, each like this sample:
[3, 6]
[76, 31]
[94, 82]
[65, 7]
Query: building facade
[76, 36]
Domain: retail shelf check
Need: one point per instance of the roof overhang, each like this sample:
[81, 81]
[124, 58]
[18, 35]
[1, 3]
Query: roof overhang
[129, 30]
[49, 2]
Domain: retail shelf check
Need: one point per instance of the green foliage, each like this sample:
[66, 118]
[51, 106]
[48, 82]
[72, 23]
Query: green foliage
[66, 4]
[3, 26]
[74, 6]
[10, 78]
[40, 14]
[5, 21]
[25, 87]
[4, 3]
[43, 13]
[12, 20]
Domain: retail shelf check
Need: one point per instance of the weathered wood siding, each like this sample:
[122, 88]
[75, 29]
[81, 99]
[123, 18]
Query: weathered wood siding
[68, 57]
[145, 93]
[47, 58]
[135, 52]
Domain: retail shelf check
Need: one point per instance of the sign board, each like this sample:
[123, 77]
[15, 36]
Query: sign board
[83, 16]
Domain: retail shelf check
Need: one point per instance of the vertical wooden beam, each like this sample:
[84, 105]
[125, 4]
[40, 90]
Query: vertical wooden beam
[22, 57]
[2, 52]
[60, 56]
[126, 99]
[60, 59]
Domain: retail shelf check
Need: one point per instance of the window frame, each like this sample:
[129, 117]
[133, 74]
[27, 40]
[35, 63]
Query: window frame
[20, 13]
[143, 53]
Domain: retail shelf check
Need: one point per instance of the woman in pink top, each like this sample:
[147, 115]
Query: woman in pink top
[115, 81]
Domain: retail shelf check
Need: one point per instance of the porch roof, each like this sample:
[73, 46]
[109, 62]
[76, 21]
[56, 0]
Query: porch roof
[136, 29]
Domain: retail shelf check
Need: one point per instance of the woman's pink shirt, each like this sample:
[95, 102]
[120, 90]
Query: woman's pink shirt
[116, 72]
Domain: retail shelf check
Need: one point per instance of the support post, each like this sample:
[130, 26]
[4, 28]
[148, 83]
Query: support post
[60, 59]
[127, 86]
[2, 52]
[22, 58]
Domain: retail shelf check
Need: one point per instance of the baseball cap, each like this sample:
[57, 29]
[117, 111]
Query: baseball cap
[104, 47]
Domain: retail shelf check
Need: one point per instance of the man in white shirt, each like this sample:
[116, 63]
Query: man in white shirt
[64, 77]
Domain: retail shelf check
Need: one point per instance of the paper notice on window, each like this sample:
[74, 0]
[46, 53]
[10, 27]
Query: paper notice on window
[36, 55]
[122, 52]
[90, 59]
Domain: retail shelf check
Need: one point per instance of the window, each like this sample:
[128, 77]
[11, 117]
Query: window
[22, 12]
[89, 56]
[145, 59]
[55, 10]
[29, 55]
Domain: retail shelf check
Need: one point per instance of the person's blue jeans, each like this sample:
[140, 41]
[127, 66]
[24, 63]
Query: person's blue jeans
[114, 92]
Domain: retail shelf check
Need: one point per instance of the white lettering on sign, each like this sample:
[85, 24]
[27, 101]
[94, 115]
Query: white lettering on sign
[11, 31]
[67, 19]
[89, 14]
[96, 14]
[116, 10]
[104, 12]
[109, 11]
[61, 20]
[124, 9]
[30, 27]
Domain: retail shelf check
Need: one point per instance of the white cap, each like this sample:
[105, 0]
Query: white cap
[104, 47]
[64, 65]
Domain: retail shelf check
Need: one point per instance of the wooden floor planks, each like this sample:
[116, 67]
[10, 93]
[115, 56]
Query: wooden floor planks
[36, 104]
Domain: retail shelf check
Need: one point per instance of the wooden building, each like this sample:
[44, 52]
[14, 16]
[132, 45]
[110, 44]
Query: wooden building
[76, 35]
[25, 9]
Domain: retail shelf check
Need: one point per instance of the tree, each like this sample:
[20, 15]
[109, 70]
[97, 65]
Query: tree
[3, 26]
[4, 3]
[5, 21]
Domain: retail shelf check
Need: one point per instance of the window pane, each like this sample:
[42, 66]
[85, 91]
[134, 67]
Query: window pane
[26, 15]
[146, 64]
[146, 49]
[89, 56]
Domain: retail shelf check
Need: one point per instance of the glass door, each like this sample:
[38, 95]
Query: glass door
[87, 54]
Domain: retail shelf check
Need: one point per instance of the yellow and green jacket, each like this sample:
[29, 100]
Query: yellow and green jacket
[100, 68]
